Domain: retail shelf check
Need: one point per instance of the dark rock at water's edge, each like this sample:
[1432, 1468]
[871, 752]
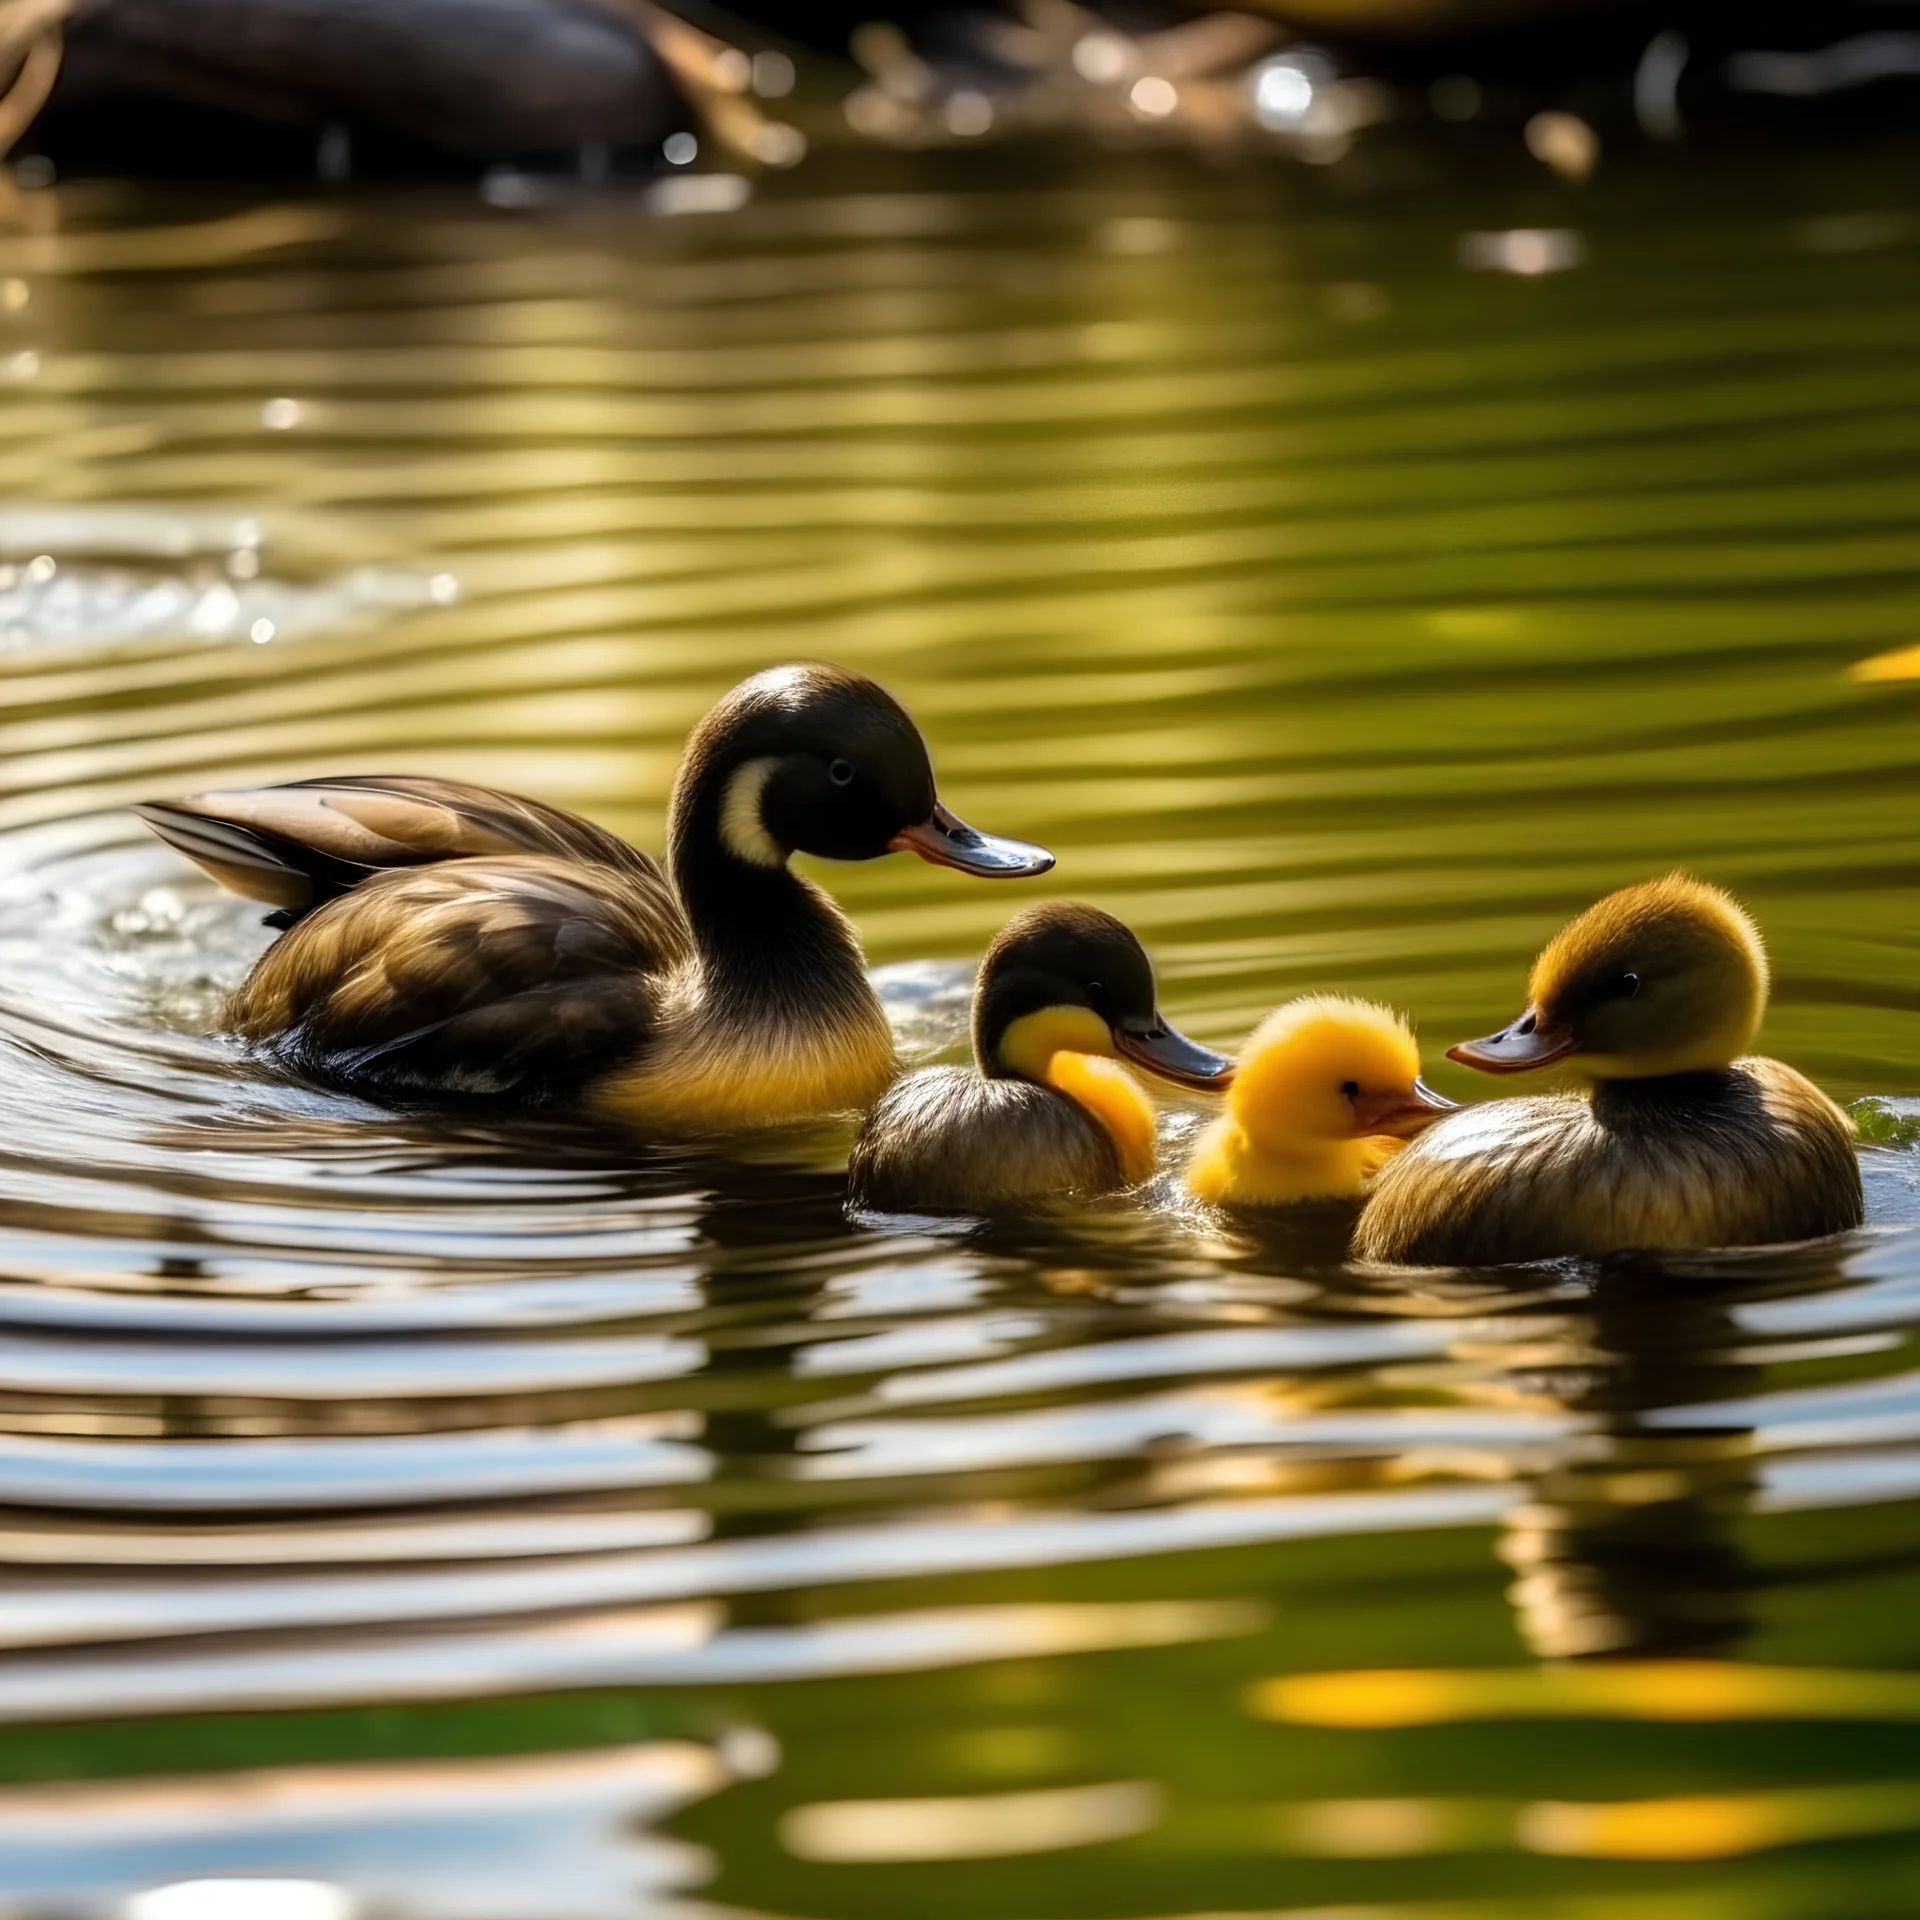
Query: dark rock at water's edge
[471, 80]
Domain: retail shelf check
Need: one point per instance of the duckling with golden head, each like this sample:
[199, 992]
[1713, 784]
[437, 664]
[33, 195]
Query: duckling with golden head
[450, 940]
[1680, 1138]
[1064, 995]
[1327, 1090]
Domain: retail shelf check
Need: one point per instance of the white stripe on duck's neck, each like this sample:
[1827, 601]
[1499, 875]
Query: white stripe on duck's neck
[743, 832]
[771, 946]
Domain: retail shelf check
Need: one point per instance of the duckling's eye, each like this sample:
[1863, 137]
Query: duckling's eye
[1351, 1088]
[840, 772]
[1626, 986]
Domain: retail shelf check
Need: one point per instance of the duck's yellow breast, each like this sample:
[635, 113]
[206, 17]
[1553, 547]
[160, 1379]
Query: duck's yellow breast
[700, 1079]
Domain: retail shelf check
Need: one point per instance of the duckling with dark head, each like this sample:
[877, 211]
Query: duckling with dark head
[1680, 1140]
[450, 940]
[1065, 994]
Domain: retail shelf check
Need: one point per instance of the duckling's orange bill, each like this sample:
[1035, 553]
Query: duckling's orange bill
[947, 841]
[1399, 1116]
[1529, 1042]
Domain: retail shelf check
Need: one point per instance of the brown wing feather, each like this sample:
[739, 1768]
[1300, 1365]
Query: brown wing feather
[300, 845]
[518, 975]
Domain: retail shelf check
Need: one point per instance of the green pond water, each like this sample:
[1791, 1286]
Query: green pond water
[505, 1523]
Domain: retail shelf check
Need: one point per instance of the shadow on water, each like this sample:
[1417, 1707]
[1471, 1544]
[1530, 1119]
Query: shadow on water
[489, 1517]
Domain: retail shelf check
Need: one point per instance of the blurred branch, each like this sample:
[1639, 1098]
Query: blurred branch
[30, 32]
[714, 76]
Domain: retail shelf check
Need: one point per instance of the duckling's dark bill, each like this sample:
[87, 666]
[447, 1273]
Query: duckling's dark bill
[1530, 1042]
[1167, 1051]
[946, 840]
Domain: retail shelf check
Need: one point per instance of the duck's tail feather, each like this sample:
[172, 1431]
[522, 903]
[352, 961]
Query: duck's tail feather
[254, 865]
[295, 847]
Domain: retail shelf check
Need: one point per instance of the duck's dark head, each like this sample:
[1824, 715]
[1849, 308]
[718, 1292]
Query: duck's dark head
[1065, 978]
[814, 759]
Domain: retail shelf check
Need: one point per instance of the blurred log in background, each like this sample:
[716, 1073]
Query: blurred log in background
[342, 88]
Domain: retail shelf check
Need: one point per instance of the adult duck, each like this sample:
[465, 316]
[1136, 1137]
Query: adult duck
[447, 939]
[1679, 1138]
[1047, 1110]
[1327, 1091]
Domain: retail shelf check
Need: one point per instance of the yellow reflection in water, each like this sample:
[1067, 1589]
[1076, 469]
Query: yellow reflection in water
[1382, 1829]
[1718, 1826]
[1684, 1827]
[1626, 1690]
[1902, 663]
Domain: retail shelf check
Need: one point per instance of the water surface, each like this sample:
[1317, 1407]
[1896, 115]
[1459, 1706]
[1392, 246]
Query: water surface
[509, 1521]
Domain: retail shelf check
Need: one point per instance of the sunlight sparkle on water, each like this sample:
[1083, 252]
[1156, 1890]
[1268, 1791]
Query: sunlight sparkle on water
[778, 145]
[243, 1900]
[969, 113]
[1527, 251]
[1154, 97]
[773, 74]
[1101, 58]
[699, 193]
[1282, 94]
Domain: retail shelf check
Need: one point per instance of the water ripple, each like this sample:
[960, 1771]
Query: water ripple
[430, 1508]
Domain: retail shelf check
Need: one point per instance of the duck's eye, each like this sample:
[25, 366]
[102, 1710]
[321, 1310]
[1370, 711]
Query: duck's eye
[1351, 1088]
[1626, 986]
[840, 772]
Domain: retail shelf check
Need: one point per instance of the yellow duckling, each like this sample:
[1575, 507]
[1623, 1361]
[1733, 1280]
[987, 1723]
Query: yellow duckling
[1065, 993]
[446, 940]
[1680, 1139]
[1326, 1092]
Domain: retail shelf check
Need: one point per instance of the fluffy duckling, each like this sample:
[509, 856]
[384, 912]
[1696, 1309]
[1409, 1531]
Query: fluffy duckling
[1326, 1092]
[448, 939]
[1652, 997]
[1065, 993]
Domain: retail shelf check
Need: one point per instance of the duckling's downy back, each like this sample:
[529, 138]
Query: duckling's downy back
[1748, 1157]
[947, 1141]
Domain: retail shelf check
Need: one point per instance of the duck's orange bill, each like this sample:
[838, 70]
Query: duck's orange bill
[1400, 1115]
[946, 840]
[1532, 1041]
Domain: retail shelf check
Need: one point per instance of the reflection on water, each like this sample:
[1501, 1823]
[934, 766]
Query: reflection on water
[444, 1521]
[554, 1837]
